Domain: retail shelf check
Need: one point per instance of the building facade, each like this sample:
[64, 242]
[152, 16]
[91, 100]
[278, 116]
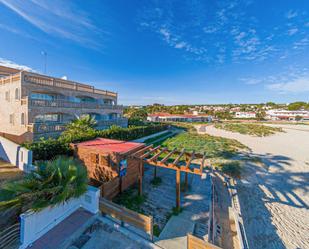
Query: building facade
[245, 115]
[34, 105]
[167, 117]
[301, 115]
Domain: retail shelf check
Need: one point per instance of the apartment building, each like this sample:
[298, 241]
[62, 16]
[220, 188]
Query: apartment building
[34, 105]
[287, 115]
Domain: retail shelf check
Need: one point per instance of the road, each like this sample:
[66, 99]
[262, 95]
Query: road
[274, 198]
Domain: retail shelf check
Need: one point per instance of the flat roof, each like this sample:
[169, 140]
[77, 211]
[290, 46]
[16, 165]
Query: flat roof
[111, 145]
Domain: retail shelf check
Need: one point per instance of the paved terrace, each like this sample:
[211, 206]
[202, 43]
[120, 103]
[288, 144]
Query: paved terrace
[161, 200]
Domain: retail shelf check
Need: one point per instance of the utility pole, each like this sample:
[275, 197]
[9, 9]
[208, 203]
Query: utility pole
[45, 60]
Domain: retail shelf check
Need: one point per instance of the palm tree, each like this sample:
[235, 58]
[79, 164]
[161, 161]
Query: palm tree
[79, 129]
[52, 183]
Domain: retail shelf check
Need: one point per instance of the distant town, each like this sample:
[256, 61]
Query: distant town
[296, 111]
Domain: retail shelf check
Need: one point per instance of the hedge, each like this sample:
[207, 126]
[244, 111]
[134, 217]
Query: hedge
[46, 149]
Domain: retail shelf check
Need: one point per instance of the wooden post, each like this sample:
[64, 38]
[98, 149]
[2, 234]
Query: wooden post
[140, 178]
[178, 190]
[155, 172]
[186, 181]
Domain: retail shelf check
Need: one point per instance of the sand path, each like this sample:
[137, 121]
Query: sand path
[275, 199]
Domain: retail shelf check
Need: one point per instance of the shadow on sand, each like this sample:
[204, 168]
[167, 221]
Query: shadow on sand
[273, 183]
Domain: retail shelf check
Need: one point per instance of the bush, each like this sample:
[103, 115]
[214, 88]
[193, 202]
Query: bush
[53, 182]
[46, 149]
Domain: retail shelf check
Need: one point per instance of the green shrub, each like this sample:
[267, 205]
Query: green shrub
[46, 149]
[53, 182]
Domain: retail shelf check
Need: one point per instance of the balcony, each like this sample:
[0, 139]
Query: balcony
[54, 129]
[66, 84]
[59, 103]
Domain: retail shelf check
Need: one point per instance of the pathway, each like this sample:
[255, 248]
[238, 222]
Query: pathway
[194, 217]
[274, 199]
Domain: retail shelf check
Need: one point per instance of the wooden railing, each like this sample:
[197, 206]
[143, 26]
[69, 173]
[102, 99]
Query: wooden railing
[140, 221]
[197, 243]
[9, 235]
[67, 84]
[70, 104]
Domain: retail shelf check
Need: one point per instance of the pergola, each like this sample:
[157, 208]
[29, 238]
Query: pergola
[164, 158]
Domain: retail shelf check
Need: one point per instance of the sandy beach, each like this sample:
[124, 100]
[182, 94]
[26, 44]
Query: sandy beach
[274, 198]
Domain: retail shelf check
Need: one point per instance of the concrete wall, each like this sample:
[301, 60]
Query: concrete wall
[15, 154]
[36, 224]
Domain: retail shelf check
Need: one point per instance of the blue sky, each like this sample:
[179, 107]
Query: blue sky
[162, 51]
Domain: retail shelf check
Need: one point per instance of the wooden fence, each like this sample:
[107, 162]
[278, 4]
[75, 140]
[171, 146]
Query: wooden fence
[110, 189]
[140, 221]
[197, 243]
[9, 235]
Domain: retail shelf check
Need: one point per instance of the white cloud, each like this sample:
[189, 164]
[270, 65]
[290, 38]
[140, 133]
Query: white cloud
[180, 45]
[292, 31]
[57, 18]
[291, 14]
[8, 63]
[251, 81]
[298, 85]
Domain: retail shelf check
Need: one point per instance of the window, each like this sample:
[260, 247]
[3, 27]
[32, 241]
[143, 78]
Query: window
[12, 119]
[17, 93]
[48, 118]
[43, 96]
[7, 95]
[22, 119]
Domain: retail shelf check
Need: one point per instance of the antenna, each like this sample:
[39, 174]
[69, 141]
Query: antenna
[45, 60]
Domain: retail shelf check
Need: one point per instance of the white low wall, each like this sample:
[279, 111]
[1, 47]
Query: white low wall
[15, 154]
[36, 224]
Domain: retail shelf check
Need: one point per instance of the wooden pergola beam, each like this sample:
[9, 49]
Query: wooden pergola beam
[167, 156]
[188, 163]
[176, 161]
[155, 157]
[137, 154]
[149, 152]
[195, 171]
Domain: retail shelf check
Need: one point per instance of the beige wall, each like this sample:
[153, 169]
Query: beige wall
[12, 106]
[18, 106]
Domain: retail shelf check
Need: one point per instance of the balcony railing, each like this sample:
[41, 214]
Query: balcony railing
[42, 128]
[39, 79]
[70, 104]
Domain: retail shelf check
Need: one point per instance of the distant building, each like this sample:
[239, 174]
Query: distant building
[167, 117]
[245, 115]
[34, 105]
[287, 115]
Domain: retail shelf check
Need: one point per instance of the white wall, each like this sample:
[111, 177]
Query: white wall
[15, 154]
[36, 224]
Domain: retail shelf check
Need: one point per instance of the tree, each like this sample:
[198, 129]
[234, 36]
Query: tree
[80, 129]
[52, 183]
[297, 106]
[260, 115]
